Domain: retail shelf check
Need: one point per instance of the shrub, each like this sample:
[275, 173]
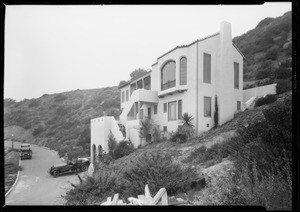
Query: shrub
[283, 86]
[187, 129]
[93, 190]
[156, 135]
[33, 103]
[112, 143]
[122, 149]
[38, 130]
[146, 129]
[216, 115]
[178, 137]
[199, 152]
[157, 170]
[265, 100]
[60, 97]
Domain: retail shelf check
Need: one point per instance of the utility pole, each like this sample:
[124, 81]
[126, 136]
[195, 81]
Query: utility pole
[12, 141]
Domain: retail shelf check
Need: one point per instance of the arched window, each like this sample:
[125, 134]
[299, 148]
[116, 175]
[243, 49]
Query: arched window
[183, 71]
[168, 75]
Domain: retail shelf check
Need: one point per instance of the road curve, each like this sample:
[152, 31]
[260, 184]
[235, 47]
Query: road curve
[35, 185]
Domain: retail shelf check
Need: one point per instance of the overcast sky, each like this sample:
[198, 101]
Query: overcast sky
[52, 49]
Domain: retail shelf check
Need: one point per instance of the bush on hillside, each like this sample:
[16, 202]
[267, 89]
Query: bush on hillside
[122, 149]
[283, 86]
[178, 137]
[93, 190]
[112, 143]
[265, 100]
[60, 97]
[33, 103]
[158, 171]
[273, 191]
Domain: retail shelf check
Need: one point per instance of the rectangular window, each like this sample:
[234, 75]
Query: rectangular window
[236, 75]
[206, 68]
[149, 112]
[207, 106]
[165, 107]
[123, 96]
[180, 109]
[155, 109]
[132, 88]
[172, 111]
[165, 129]
[139, 84]
[239, 105]
[127, 95]
[147, 83]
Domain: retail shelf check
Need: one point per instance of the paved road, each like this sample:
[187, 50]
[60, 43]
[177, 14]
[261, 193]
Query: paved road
[35, 185]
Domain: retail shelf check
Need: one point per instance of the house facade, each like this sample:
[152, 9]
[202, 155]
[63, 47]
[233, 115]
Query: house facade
[187, 79]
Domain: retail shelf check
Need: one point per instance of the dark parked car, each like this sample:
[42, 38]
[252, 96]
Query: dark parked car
[25, 151]
[80, 165]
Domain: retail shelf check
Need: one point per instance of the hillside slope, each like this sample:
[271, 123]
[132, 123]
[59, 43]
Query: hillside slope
[266, 46]
[60, 121]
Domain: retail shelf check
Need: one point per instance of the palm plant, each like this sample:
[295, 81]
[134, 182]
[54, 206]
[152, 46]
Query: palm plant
[187, 128]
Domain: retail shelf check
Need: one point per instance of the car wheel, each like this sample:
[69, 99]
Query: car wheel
[84, 168]
[55, 173]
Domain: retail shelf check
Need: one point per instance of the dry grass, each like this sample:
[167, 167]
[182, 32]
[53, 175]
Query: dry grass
[11, 167]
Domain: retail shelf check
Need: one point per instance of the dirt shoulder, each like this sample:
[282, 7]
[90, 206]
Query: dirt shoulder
[11, 167]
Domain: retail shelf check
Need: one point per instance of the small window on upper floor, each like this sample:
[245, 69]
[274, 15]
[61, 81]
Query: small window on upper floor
[139, 84]
[183, 71]
[127, 95]
[206, 68]
[147, 83]
[123, 96]
[132, 88]
[236, 75]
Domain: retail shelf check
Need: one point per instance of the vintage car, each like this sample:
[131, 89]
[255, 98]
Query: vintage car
[25, 151]
[80, 165]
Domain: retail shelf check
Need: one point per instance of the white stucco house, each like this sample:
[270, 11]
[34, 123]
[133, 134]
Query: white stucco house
[185, 79]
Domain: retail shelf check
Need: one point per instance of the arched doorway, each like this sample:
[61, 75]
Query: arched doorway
[99, 151]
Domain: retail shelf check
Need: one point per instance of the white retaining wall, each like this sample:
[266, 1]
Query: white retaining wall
[259, 91]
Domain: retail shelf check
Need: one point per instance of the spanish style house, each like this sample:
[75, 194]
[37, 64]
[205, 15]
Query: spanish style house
[188, 79]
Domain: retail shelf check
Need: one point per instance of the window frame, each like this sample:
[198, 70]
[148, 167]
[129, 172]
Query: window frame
[155, 109]
[127, 95]
[171, 84]
[236, 75]
[179, 114]
[175, 112]
[182, 72]
[123, 96]
[206, 77]
[210, 111]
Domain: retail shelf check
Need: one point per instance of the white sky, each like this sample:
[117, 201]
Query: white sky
[52, 49]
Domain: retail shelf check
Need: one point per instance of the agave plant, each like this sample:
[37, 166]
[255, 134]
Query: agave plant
[187, 128]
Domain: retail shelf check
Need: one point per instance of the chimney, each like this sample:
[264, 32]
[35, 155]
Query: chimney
[225, 74]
